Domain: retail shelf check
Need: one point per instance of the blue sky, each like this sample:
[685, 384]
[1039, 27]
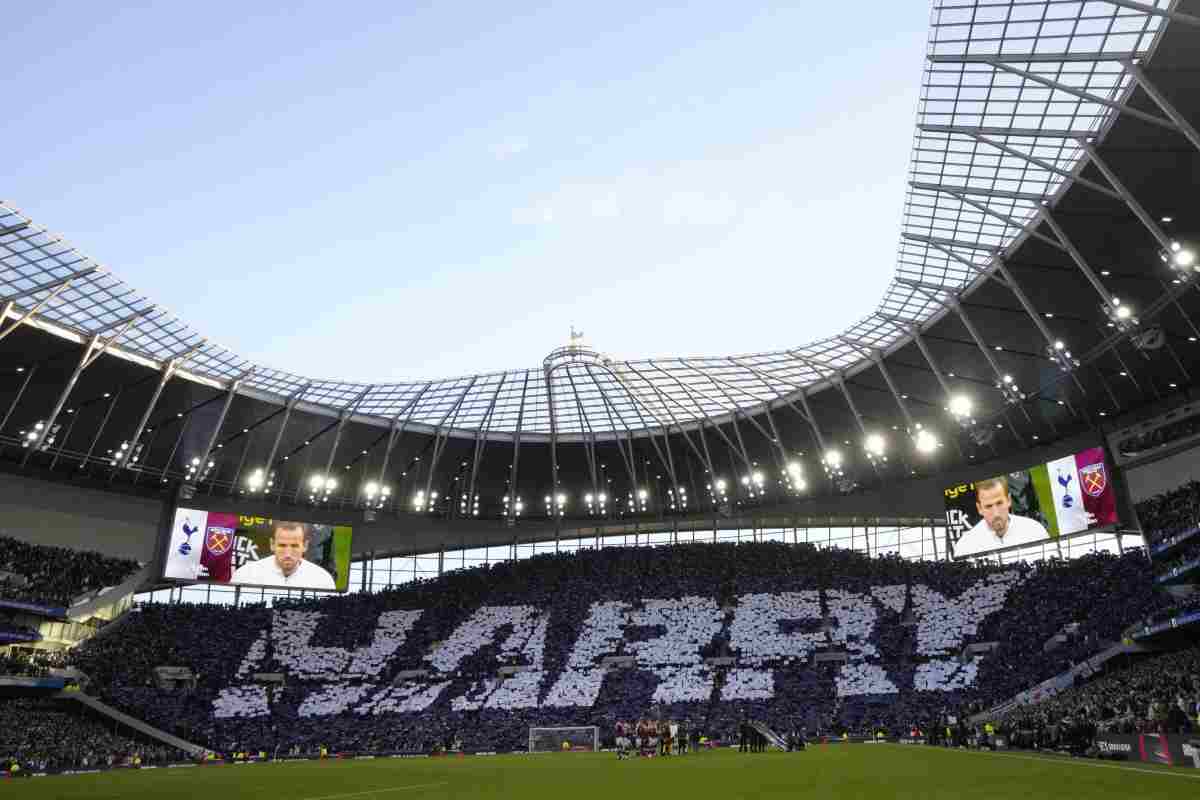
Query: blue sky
[388, 191]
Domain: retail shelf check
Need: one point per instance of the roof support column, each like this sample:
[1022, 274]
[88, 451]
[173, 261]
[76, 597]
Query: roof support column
[95, 347]
[287, 415]
[55, 287]
[1077, 257]
[511, 510]
[343, 416]
[970, 326]
[183, 428]
[1138, 211]
[589, 437]
[1160, 100]
[17, 399]
[237, 475]
[95, 439]
[396, 429]
[553, 448]
[862, 425]
[915, 332]
[1088, 96]
[480, 444]
[441, 435]
[216, 431]
[628, 458]
[168, 372]
[812, 421]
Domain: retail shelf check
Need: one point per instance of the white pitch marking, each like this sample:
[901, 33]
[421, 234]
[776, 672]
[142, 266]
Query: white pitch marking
[1077, 763]
[375, 791]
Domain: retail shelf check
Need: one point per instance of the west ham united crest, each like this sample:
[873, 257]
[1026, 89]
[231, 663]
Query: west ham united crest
[1093, 479]
[218, 540]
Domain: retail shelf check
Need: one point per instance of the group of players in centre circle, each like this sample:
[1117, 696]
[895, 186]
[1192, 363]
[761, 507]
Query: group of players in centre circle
[662, 737]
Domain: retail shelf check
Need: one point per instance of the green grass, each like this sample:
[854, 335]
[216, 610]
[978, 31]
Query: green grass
[874, 772]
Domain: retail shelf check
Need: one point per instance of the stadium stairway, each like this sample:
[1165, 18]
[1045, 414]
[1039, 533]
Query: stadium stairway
[772, 737]
[136, 724]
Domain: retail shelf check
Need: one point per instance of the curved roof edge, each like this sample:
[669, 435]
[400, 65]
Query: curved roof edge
[955, 232]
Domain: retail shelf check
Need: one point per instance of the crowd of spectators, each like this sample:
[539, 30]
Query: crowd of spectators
[1170, 513]
[1177, 608]
[1157, 694]
[1134, 446]
[14, 665]
[412, 666]
[11, 631]
[41, 734]
[1180, 560]
[55, 576]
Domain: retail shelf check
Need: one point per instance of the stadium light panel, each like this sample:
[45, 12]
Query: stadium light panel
[926, 442]
[961, 406]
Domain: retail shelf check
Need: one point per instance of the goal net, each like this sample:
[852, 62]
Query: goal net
[578, 738]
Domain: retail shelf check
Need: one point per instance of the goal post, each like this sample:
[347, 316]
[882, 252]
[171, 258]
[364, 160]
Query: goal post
[577, 738]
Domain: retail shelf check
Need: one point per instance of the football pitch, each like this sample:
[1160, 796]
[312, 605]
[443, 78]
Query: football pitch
[874, 772]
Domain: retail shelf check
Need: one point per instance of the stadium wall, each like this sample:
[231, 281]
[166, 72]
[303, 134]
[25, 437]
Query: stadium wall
[67, 515]
[1163, 475]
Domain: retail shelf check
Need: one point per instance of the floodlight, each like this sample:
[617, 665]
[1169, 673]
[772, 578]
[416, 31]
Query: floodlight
[255, 481]
[960, 406]
[875, 444]
[926, 442]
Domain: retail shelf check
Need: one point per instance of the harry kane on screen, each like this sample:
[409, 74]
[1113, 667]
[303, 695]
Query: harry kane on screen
[286, 567]
[999, 526]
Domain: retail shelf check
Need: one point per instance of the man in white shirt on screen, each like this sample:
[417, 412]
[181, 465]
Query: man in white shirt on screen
[286, 567]
[999, 526]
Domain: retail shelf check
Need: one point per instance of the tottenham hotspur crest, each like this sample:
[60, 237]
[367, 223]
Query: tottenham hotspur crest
[1064, 480]
[188, 530]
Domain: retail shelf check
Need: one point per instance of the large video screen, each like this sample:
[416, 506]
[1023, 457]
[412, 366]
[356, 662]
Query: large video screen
[222, 547]
[1058, 498]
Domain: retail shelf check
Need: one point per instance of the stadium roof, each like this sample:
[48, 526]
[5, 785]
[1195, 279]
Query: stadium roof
[1012, 93]
[1054, 171]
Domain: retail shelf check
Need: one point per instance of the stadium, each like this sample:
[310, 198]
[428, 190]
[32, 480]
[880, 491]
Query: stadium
[964, 530]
